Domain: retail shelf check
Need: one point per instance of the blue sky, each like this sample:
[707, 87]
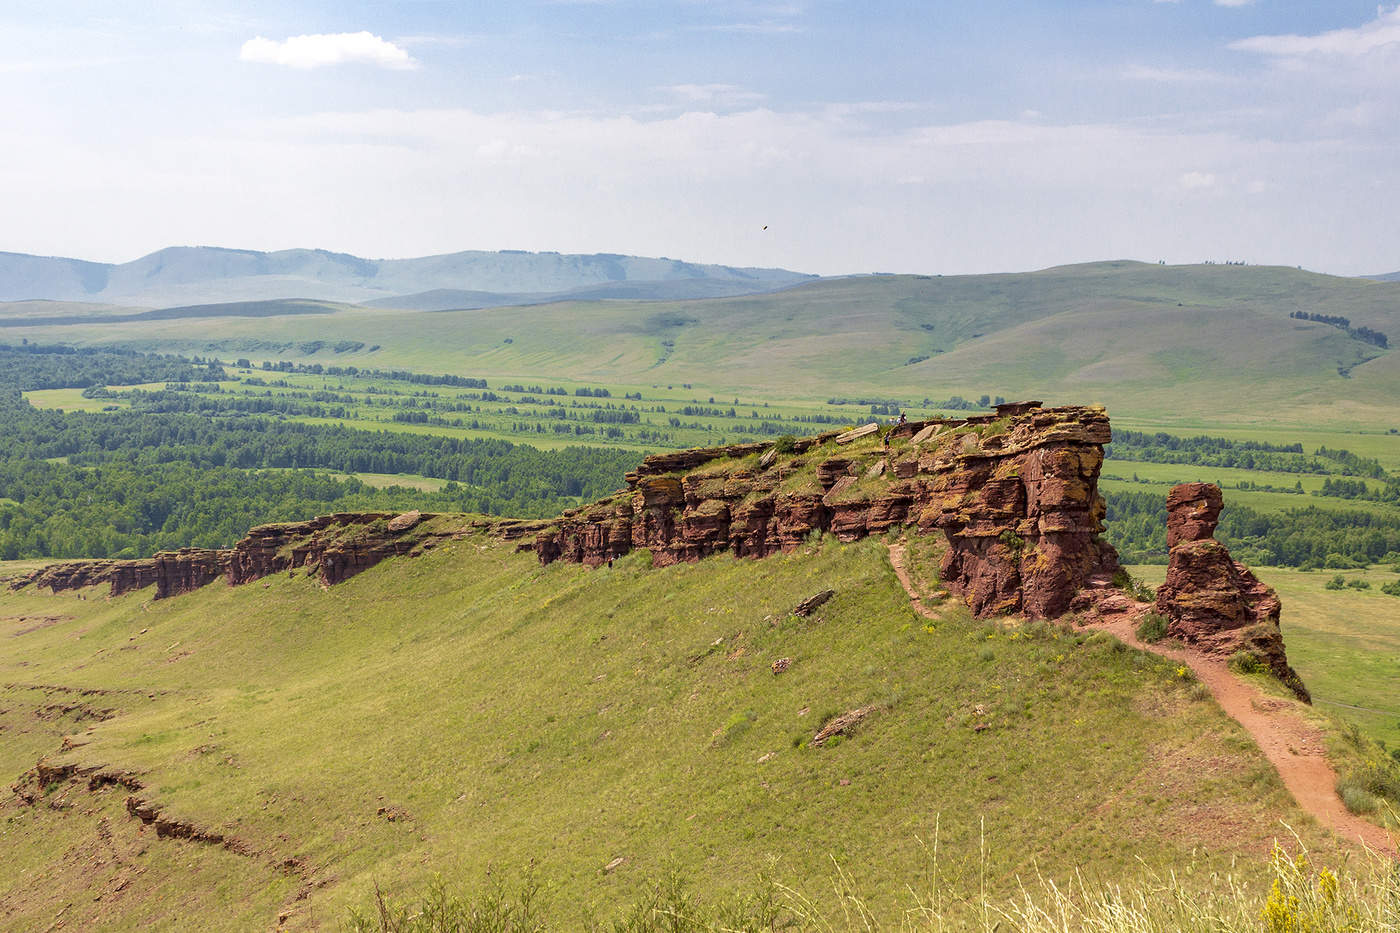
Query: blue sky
[867, 136]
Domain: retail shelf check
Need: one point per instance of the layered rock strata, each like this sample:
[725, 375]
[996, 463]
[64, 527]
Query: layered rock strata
[1211, 600]
[335, 547]
[1014, 493]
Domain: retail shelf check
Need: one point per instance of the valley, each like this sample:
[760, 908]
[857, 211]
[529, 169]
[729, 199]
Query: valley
[466, 712]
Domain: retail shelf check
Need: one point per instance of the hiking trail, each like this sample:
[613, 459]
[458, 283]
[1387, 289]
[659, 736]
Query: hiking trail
[1295, 747]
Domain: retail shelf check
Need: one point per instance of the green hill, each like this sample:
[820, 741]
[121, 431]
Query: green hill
[470, 710]
[1174, 346]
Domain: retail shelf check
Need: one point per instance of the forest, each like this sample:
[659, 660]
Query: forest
[188, 454]
[129, 482]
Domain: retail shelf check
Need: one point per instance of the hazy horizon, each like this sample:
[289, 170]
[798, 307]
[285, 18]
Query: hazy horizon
[820, 137]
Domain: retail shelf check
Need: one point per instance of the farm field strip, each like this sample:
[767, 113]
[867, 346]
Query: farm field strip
[548, 416]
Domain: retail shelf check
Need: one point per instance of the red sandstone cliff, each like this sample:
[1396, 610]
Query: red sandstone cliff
[1014, 493]
[335, 547]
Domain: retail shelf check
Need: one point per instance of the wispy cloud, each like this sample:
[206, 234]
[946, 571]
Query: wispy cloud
[1197, 180]
[444, 41]
[1383, 31]
[1233, 2]
[57, 64]
[764, 27]
[1170, 75]
[317, 51]
[722, 94]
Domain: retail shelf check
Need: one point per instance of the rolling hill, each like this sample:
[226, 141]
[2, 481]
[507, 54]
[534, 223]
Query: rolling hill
[1176, 346]
[203, 275]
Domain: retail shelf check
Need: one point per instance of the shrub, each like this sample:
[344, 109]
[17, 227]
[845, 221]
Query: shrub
[1391, 589]
[1152, 628]
[1242, 662]
[1355, 797]
[1358, 584]
[785, 443]
[1012, 542]
[1133, 587]
[1336, 583]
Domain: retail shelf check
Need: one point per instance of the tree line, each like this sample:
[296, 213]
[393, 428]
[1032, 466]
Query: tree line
[1364, 334]
[1246, 455]
[1307, 537]
[129, 482]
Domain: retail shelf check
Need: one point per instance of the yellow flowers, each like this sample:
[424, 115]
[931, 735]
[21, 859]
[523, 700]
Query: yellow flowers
[1299, 904]
[1183, 672]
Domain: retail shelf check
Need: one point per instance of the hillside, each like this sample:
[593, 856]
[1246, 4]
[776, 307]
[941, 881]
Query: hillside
[202, 275]
[1176, 347]
[469, 708]
[271, 733]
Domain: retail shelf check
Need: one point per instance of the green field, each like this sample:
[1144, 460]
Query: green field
[1174, 347]
[470, 709]
[69, 400]
[1113, 481]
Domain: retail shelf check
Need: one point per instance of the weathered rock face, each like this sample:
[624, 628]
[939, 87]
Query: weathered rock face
[335, 547]
[1015, 494]
[1193, 512]
[172, 572]
[1211, 600]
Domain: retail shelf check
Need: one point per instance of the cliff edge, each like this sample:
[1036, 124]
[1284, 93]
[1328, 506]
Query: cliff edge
[1015, 494]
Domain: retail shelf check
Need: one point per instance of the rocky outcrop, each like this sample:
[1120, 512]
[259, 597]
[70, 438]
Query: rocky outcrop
[335, 547]
[171, 572]
[1014, 493]
[1211, 600]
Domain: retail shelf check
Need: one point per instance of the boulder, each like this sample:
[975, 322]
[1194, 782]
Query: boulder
[856, 434]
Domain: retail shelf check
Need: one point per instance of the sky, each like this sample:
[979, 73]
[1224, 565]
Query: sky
[825, 136]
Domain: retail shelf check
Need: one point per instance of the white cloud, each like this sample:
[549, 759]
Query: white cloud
[1233, 2]
[447, 41]
[1169, 75]
[764, 27]
[722, 94]
[1384, 30]
[57, 64]
[315, 51]
[1196, 180]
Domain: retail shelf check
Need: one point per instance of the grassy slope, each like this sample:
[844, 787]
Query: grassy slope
[1344, 643]
[1165, 344]
[513, 712]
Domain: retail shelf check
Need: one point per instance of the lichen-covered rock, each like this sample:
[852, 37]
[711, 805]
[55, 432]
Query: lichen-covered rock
[1015, 494]
[1211, 600]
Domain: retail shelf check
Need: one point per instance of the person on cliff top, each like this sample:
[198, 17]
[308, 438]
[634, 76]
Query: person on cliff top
[901, 418]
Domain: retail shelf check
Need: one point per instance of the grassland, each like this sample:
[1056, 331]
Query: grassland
[470, 709]
[1168, 346]
[1344, 643]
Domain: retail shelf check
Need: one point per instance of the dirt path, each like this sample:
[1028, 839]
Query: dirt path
[901, 570]
[1295, 748]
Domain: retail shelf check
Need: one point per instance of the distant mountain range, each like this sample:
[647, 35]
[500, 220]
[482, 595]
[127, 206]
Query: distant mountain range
[1387, 277]
[187, 275]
